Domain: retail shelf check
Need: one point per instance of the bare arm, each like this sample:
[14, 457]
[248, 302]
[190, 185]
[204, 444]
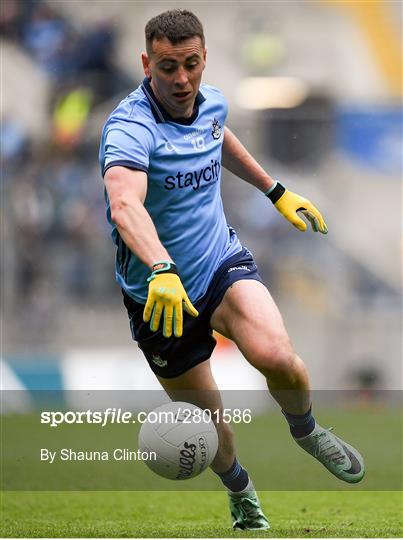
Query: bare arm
[238, 160]
[127, 191]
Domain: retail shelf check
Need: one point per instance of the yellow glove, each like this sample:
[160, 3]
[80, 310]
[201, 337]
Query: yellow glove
[166, 294]
[289, 204]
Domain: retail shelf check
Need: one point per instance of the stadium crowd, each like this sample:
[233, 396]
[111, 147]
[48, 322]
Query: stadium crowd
[53, 189]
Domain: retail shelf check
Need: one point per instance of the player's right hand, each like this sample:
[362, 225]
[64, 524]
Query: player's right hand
[167, 297]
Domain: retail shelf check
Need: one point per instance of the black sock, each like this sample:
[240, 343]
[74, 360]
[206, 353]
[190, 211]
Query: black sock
[236, 478]
[301, 425]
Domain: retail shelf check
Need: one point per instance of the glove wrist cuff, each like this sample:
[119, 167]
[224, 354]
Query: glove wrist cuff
[163, 267]
[275, 192]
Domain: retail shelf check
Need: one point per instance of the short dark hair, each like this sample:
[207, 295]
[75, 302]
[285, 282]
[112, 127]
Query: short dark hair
[176, 25]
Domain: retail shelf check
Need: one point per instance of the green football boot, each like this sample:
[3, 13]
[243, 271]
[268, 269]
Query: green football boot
[337, 456]
[246, 513]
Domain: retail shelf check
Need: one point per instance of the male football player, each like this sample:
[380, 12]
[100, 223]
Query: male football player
[182, 268]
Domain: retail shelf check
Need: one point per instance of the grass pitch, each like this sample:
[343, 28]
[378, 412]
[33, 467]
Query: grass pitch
[197, 514]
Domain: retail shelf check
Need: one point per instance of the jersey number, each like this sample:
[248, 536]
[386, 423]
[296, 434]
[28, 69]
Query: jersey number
[198, 144]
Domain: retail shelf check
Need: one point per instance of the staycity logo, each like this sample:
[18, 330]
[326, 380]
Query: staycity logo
[193, 179]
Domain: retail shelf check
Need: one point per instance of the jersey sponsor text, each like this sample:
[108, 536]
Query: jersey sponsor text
[192, 179]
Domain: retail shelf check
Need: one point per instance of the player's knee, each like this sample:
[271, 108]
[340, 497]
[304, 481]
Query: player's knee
[276, 357]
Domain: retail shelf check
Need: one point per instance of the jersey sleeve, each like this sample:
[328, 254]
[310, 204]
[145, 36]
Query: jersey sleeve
[128, 144]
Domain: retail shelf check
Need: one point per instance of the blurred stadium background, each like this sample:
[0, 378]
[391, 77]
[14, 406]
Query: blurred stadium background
[314, 90]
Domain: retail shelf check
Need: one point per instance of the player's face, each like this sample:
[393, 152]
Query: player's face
[175, 72]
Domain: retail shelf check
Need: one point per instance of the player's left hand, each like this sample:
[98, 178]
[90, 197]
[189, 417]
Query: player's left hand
[290, 204]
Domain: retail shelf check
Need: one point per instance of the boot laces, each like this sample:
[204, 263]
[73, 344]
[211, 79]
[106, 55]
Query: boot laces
[325, 446]
[249, 507]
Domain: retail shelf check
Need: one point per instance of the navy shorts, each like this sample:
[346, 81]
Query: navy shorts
[171, 357]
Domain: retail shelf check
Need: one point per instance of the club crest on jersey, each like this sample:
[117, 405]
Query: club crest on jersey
[216, 129]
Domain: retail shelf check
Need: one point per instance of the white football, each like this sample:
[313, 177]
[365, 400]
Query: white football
[183, 437]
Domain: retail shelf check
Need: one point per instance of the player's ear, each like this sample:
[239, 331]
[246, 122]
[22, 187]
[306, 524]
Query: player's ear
[146, 65]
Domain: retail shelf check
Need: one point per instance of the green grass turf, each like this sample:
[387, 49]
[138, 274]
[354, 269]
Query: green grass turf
[197, 514]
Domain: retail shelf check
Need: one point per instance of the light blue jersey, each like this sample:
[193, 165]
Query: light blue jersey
[182, 159]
